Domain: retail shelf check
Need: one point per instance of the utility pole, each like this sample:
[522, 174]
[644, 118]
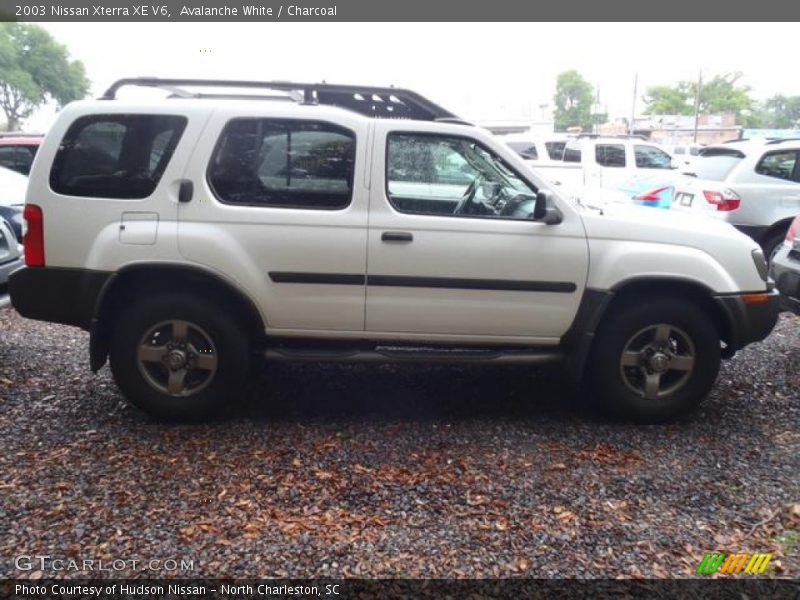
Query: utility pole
[633, 102]
[697, 102]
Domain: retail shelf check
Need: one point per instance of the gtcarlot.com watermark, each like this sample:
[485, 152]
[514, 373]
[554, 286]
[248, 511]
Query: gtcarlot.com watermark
[49, 564]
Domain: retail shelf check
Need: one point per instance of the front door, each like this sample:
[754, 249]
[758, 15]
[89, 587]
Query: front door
[454, 253]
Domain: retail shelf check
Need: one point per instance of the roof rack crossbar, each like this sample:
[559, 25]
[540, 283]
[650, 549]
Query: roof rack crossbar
[780, 140]
[381, 102]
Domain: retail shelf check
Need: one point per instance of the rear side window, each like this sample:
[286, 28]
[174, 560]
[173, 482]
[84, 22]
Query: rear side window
[610, 155]
[572, 153]
[115, 156]
[782, 165]
[284, 163]
[525, 150]
[650, 157]
[17, 158]
[555, 150]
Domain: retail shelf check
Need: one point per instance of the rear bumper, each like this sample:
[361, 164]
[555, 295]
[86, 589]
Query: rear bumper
[67, 296]
[751, 316]
[785, 270]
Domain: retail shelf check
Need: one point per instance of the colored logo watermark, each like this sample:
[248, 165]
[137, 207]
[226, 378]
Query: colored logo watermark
[731, 564]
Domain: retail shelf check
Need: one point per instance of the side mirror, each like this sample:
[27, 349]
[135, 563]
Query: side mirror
[674, 164]
[545, 210]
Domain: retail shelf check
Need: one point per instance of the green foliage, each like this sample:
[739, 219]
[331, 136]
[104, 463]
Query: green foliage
[34, 69]
[720, 94]
[779, 112]
[573, 101]
[666, 100]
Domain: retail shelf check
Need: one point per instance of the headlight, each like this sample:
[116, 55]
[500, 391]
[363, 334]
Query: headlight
[761, 263]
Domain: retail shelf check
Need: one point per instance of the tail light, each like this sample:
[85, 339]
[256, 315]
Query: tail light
[651, 195]
[725, 200]
[33, 239]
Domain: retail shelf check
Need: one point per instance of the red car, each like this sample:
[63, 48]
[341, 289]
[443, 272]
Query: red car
[18, 149]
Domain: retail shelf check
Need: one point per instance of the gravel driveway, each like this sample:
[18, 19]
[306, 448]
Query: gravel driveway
[381, 471]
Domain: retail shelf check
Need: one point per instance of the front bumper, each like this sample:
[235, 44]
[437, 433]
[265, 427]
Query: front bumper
[8, 267]
[785, 270]
[751, 317]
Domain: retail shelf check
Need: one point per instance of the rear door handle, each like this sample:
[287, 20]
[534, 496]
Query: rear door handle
[397, 236]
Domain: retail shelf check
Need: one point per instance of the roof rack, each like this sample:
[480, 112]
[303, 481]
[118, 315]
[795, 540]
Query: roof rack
[621, 136]
[378, 102]
[19, 134]
[779, 140]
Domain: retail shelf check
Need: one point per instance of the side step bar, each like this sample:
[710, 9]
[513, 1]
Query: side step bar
[389, 354]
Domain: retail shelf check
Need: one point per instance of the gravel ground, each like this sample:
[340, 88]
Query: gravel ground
[382, 471]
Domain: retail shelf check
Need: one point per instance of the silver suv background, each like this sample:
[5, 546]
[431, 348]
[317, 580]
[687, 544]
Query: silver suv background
[753, 185]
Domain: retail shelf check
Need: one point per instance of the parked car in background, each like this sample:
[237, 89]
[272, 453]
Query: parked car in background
[536, 150]
[753, 185]
[10, 252]
[627, 164]
[684, 153]
[12, 198]
[785, 268]
[18, 150]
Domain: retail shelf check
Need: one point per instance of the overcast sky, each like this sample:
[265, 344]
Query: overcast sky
[478, 71]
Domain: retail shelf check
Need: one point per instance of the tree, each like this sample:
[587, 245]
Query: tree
[720, 94]
[573, 101]
[35, 69]
[666, 100]
[782, 112]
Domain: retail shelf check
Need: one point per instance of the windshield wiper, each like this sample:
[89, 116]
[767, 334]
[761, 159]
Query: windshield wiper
[582, 204]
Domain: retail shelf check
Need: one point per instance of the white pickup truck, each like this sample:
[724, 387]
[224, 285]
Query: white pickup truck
[627, 165]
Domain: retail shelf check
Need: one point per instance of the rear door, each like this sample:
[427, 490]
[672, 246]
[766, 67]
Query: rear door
[280, 208]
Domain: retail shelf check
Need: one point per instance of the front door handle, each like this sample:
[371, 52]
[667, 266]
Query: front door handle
[397, 236]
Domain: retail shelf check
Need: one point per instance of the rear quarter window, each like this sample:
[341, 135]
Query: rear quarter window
[115, 156]
[780, 165]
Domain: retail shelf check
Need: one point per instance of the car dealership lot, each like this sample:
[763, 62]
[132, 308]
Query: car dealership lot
[406, 470]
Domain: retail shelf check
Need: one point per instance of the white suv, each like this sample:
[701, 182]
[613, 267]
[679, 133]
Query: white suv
[753, 185]
[361, 224]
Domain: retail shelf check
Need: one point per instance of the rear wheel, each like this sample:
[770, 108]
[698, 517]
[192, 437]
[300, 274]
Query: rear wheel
[178, 357]
[655, 360]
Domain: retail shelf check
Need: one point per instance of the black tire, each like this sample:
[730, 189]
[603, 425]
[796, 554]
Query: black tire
[622, 390]
[213, 340]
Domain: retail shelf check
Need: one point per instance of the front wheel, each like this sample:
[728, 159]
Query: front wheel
[178, 357]
[654, 361]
